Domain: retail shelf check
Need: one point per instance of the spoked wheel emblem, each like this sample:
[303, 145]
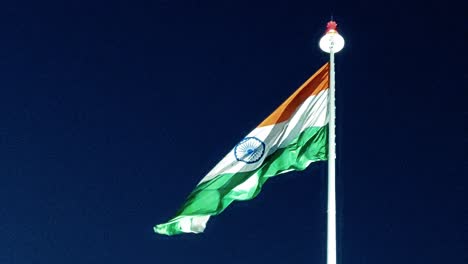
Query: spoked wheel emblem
[249, 150]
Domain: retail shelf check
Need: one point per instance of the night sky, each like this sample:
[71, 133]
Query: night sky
[111, 113]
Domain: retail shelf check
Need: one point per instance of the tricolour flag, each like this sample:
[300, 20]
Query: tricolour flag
[292, 137]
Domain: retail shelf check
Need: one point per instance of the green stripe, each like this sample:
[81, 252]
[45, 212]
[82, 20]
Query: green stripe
[212, 197]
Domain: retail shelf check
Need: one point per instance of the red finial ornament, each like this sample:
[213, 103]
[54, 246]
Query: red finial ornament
[331, 26]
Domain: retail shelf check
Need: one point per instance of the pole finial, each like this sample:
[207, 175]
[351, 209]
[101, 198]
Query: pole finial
[331, 26]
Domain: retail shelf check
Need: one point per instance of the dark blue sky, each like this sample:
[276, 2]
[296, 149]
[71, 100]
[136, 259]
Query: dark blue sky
[110, 113]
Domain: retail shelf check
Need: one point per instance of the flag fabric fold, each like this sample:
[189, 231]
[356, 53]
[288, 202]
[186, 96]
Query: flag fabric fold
[292, 137]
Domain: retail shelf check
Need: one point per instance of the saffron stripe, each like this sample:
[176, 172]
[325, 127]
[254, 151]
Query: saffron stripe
[314, 85]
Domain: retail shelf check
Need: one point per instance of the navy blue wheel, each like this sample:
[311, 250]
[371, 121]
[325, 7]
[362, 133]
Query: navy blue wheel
[249, 150]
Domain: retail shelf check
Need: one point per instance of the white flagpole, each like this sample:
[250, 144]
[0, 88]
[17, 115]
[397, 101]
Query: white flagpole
[331, 208]
[332, 42]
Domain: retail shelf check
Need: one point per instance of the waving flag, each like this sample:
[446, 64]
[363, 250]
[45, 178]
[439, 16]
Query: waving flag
[292, 137]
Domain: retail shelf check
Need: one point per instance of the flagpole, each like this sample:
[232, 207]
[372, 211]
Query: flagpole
[331, 207]
[332, 42]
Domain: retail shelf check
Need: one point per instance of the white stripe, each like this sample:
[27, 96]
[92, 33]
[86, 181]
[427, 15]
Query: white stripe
[311, 113]
[193, 224]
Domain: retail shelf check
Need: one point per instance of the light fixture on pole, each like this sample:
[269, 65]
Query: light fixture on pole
[332, 40]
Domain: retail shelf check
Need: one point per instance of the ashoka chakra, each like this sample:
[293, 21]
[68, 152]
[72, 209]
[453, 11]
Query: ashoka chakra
[249, 150]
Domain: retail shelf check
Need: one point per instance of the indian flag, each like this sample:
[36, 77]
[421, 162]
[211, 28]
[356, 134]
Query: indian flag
[292, 137]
